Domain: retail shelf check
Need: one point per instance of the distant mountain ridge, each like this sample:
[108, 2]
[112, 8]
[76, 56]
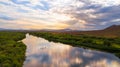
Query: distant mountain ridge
[3, 29]
[7, 29]
[113, 27]
[112, 31]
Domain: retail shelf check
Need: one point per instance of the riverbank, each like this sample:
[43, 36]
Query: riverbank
[43, 53]
[12, 50]
[111, 45]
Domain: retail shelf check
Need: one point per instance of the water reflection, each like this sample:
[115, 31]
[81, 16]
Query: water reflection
[42, 53]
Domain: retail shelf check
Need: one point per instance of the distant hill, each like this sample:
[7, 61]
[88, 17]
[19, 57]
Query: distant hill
[1, 29]
[112, 31]
[113, 28]
[4, 29]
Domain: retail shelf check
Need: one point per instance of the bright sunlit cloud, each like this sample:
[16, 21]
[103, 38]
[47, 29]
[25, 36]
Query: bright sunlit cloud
[59, 14]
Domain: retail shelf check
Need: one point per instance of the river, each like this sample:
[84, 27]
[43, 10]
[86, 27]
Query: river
[42, 53]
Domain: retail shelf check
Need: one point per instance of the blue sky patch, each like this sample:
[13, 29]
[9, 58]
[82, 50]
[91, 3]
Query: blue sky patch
[44, 7]
[20, 2]
[4, 17]
[4, 3]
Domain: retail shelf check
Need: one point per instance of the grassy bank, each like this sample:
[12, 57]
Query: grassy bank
[12, 52]
[111, 45]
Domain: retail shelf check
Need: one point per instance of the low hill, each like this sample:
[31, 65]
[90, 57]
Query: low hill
[112, 31]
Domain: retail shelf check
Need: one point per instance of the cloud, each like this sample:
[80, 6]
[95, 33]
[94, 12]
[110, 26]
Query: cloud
[59, 14]
[105, 3]
[5, 17]
[92, 16]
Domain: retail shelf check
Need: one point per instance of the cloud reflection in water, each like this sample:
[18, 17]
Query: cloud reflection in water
[42, 53]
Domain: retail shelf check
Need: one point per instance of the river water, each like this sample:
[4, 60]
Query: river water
[42, 53]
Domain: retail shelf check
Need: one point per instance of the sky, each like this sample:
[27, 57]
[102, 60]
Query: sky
[59, 14]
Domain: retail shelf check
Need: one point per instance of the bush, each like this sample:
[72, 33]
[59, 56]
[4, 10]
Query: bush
[12, 52]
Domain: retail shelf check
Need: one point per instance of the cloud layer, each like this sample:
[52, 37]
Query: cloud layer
[59, 14]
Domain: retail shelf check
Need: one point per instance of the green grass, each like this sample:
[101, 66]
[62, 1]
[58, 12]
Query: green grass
[12, 52]
[111, 45]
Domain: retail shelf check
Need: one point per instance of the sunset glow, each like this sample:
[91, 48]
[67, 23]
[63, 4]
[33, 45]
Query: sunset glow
[59, 14]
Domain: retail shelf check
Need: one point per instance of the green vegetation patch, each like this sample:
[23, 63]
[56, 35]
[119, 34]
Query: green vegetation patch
[12, 52]
[111, 45]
